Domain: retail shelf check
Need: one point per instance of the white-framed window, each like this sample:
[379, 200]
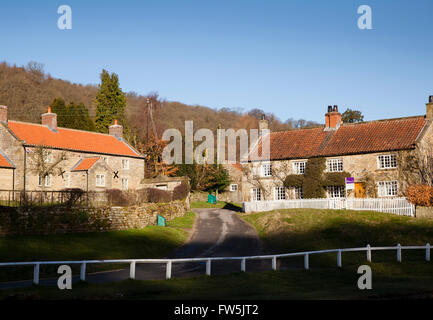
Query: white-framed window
[67, 180]
[334, 165]
[233, 187]
[387, 188]
[256, 194]
[125, 164]
[299, 167]
[387, 161]
[45, 181]
[280, 193]
[335, 191]
[48, 157]
[266, 170]
[100, 180]
[124, 184]
[299, 193]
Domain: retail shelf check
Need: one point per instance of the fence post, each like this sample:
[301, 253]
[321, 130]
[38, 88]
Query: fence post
[339, 258]
[427, 252]
[132, 270]
[274, 263]
[83, 272]
[399, 252]
[168, 271]
[306, 262]
[368, 253]
[208, 267]
[36, 274]
[243, 265]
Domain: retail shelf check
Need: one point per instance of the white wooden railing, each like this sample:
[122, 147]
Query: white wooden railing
[169, 262]
[399, 206]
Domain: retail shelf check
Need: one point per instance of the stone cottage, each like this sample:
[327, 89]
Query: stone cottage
[74, 158]
[370, 152]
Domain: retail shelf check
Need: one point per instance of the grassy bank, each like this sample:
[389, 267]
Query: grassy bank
[148, 242]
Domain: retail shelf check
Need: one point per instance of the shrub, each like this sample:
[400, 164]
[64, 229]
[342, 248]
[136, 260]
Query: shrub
[157, 195]
[312, 186]
[420, 195]
[335, 178]
[116, 197]
[73, 196]
[181, 191]
[294, 180]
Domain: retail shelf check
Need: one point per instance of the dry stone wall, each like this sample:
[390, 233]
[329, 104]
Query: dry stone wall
[54, 220]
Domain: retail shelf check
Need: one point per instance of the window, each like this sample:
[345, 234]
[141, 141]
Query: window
[67, 180]
[387, 188]
[233, 187]
[280, 193]
[335, 191]
[100, 180]
[125, 164]
[161, 186]
[387, 161]
[266, 170]
[334, 165]
[299, 167]
[46, 181]
[124, 184]
[299, 193]
[256, 194]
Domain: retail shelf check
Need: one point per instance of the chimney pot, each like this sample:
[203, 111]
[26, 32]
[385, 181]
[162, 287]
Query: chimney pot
[4, 114]
[430, 99]
[335, 108]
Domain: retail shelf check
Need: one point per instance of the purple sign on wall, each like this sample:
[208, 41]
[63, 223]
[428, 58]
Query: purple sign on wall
[350, 183]
[350, 180]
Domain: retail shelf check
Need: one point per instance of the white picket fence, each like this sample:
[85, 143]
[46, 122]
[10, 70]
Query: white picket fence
[169, 262]
[399, 206]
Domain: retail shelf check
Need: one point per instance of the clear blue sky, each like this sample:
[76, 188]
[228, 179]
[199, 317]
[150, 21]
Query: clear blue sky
[292, 58]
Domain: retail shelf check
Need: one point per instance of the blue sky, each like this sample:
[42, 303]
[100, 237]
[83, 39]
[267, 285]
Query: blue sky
[292, 58]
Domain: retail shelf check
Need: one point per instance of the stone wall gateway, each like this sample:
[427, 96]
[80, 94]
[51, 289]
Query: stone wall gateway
[55, 220]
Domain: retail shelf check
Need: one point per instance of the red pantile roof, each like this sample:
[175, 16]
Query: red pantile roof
[375, 136]
[5, 162]
[69, 139]
[85, 164]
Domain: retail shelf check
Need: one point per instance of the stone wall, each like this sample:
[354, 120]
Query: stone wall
[424, 212]
[227, 196]
[54, 220]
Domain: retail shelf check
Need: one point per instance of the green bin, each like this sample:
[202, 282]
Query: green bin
[161, 221]
[211, 199]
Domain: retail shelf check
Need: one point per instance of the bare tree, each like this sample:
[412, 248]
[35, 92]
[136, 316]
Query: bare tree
[44, 163]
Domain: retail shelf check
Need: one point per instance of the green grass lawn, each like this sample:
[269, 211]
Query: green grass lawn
[148, 242]
[293, 231]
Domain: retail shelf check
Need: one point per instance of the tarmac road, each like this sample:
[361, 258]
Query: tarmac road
[216, 233]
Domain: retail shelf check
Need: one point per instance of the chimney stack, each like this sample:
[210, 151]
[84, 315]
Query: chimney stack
[4, 114]
[263, 125]
[429, 108]
[116, 130]
[50, 120]
[332, 118]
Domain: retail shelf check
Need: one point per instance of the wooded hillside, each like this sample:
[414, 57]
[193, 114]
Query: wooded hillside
[27, 91]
